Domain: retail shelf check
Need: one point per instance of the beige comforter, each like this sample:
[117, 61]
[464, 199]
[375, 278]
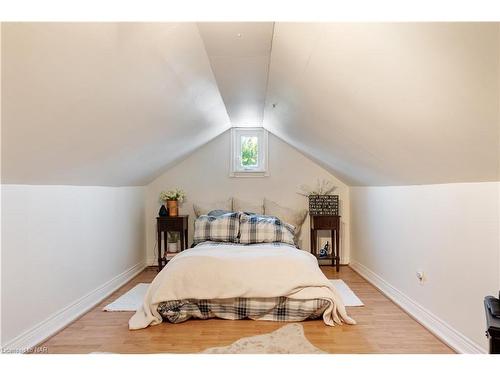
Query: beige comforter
[211, 271]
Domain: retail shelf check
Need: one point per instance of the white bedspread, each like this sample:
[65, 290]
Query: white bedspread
[231, 271]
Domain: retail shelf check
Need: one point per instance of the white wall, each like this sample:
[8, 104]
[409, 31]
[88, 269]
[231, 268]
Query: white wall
[107, 96]
[450, 231]
[368, 92]
[59, 243]
[204, 176]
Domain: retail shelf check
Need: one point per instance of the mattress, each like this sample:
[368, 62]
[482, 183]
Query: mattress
[282, 309]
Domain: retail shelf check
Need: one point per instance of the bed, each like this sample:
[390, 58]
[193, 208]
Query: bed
[243, 266]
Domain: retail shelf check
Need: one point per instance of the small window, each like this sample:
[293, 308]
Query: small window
[248, 152]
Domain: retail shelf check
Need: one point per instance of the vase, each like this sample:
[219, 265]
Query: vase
[172, 208]
[163, 211]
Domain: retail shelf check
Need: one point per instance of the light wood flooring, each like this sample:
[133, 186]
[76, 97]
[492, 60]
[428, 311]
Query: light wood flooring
[382, 327]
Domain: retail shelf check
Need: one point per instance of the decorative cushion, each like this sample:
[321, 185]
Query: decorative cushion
[244, 206]
[205, 208]
[288, 215]
[224, 228]
[259, 228]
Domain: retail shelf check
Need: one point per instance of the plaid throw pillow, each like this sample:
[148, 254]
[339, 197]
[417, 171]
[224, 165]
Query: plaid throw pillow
[223, 228]
[259, 228]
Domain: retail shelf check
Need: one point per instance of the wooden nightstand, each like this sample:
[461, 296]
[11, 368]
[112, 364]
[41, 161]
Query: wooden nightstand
[331, 223]
[170, 224]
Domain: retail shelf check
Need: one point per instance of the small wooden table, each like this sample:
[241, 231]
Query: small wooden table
[331, 223]
[171, 224]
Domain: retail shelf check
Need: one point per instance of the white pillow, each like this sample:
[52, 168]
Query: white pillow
[288, 215]
[244, 206]
[204, 208]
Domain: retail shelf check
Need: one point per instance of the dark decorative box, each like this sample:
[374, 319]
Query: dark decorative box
[324, 205]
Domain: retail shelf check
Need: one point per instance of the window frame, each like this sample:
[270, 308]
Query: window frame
[236, 168]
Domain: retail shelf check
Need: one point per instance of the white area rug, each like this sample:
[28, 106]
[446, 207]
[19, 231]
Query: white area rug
[134, 298]
[348, 296]
[129, 301]
[289, 339]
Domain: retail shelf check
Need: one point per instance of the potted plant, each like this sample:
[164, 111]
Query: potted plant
[172, 242]
[173, 198]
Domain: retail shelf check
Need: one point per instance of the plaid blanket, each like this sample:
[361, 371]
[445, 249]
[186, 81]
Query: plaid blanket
[259, 229]
[225, 244]
[223, 228]
[281, 309]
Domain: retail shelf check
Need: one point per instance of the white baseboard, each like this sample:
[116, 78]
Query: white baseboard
[441, 329]
[152, 262]
[53, 324]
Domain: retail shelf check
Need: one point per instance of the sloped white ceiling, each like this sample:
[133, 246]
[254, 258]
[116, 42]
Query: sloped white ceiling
[389, 104]
[239, 53]
[104, 103]
[376, 104]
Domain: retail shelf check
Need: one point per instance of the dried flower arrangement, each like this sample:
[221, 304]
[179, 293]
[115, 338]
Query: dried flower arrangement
[323, 187]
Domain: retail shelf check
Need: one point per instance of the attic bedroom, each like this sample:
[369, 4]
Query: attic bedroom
[250, 187]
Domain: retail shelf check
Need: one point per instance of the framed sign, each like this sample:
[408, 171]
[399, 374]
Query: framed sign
[324, 205]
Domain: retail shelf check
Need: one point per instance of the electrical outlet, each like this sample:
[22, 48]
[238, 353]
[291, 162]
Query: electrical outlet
[420, 276]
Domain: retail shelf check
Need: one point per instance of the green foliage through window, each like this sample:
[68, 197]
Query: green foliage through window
[249, 151]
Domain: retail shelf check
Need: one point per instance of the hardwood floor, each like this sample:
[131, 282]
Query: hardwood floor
[382, 328]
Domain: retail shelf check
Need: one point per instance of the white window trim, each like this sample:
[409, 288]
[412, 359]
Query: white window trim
[236, 171]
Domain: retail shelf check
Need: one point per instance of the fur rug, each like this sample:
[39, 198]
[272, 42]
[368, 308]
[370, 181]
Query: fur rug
[289, 339]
